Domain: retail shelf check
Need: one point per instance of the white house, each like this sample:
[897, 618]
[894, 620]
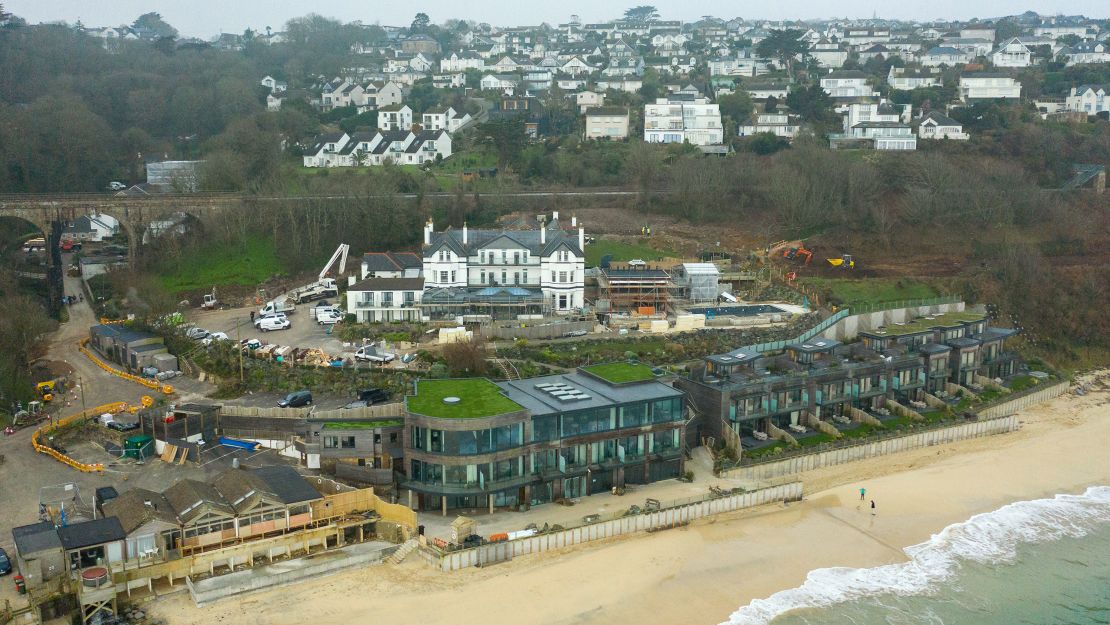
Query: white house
[1086, 52]
[624, 66]
[444, 119]
[91, 228]
[945, 55]
[566, 82]
[1057, 31]
[829, 54]
[384, 300]
[607, 122]
[935, 125]
[858, 113]
[906, 79]
[575, 66]
[274, 85]
[460, 62]
[449, 81]
[885, 135]
[628, 84]
[1011, 53]
[547, 263]
[588, 100]
[273, 103]
[680, 118]
[376, 95]
[325, 150]
[850, 83]
[974, 46]
[974, 32]
[763, 91]
[779, 124]
[396, 117]
[1090, 99]
[988, 86]
[505, 83]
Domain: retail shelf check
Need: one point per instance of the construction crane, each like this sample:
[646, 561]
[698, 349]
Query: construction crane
[324, 286]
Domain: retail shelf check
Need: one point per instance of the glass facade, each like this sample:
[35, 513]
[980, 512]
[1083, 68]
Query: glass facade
[468, 442]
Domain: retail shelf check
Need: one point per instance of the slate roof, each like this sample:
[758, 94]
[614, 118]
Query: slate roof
[940, 119]
[288, 486]
[321, 140]
[845, 73]
[1081, 89]
[91, 533]
[528, 239]
[390, 261]
[607, 110]
[420, 139]
[35, 538]
[189, 498]
[133, 512]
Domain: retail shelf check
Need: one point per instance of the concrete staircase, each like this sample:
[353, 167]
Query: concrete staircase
[407, 547]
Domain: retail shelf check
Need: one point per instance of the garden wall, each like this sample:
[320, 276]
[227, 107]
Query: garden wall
[1025, 399]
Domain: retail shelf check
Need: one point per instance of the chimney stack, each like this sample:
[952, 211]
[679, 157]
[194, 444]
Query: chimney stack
[428, 232]
[543, 232]
[464, 234]
[554, 215]
[574, 221]
[582, 238]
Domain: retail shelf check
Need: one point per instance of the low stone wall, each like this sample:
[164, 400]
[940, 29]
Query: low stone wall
[1017, 402]
[850, 326]
[663, 519]
[809, 462]
[535, 332]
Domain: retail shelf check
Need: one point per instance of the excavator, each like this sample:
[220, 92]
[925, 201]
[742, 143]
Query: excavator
[800, 254]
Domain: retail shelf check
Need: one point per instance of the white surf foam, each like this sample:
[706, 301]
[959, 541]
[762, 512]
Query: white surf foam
[988, 538]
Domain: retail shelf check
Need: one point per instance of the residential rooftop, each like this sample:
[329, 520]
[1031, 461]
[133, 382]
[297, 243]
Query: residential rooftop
[477, 398]
[925, 324]
[621, 372]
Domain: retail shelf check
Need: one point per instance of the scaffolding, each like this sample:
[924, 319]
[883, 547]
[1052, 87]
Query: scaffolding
[644, 291]
[697, 282]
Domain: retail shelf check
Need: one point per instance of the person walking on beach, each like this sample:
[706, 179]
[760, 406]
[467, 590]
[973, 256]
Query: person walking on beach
[872, 507]
[862, 493]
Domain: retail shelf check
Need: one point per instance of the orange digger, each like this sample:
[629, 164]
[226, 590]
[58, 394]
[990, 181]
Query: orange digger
[800, 254]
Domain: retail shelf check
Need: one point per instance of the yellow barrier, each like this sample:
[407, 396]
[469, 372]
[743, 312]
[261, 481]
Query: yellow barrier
[60, 457]
[165, 388]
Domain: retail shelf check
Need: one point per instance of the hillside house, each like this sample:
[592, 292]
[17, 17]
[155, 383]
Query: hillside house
[680, 118]
[395, 117]
[607, 122]
[935, 125]
[988, 86]
[1089, 99]
[850, 83]
[1011, 53]
[906, 79]
[945, 56]
[781, 125]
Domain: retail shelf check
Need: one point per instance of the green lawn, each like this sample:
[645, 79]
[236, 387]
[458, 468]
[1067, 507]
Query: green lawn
[622, 252]
[479, 398]
[1022, 382]
[763, 451]
[939, 321]
[361, 425]
[872, 290]
[621, 372]
[217, 264]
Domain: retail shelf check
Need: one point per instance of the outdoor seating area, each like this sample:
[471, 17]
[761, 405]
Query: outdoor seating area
[799, 429]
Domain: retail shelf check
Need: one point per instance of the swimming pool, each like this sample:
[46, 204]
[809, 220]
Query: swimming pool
[735, 311]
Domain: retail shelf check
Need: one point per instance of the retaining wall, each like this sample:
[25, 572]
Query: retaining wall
[1028, 398]
[663, 519]
[536, 332]
[809, 462]
[849, 327]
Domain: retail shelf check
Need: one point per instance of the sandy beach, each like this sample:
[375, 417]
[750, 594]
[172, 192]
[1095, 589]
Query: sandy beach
[700, 574]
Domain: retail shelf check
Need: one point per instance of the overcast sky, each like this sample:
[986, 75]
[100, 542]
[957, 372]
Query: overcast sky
[206, 18]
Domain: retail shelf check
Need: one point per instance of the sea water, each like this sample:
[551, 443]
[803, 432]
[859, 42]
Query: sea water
[1038, 562]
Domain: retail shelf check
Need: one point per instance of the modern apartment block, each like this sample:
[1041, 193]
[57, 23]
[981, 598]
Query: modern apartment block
[473, 443]
[683, 117]
[821, 378]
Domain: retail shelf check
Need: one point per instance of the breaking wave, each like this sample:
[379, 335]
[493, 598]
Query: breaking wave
[988, 538]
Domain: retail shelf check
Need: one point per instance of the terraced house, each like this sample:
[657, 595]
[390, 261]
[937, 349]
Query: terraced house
[823, 380]
[474, 443]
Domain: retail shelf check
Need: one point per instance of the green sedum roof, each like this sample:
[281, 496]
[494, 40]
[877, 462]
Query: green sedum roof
[946, 320]
[621, 372]
[478, 398]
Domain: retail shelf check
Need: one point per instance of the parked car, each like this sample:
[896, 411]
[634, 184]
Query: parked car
[121, 426]
[5, 562]
[373, 395]
[196, 333]
[269, 315]
[116, 185]
[212, 338]
[329, 317]
[296, 399]
[274, 323]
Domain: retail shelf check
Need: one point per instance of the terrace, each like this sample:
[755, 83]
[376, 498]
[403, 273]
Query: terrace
[621, 372]
[928, 323]
[471, 398]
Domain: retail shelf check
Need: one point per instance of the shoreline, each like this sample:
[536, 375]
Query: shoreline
[702, 573]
